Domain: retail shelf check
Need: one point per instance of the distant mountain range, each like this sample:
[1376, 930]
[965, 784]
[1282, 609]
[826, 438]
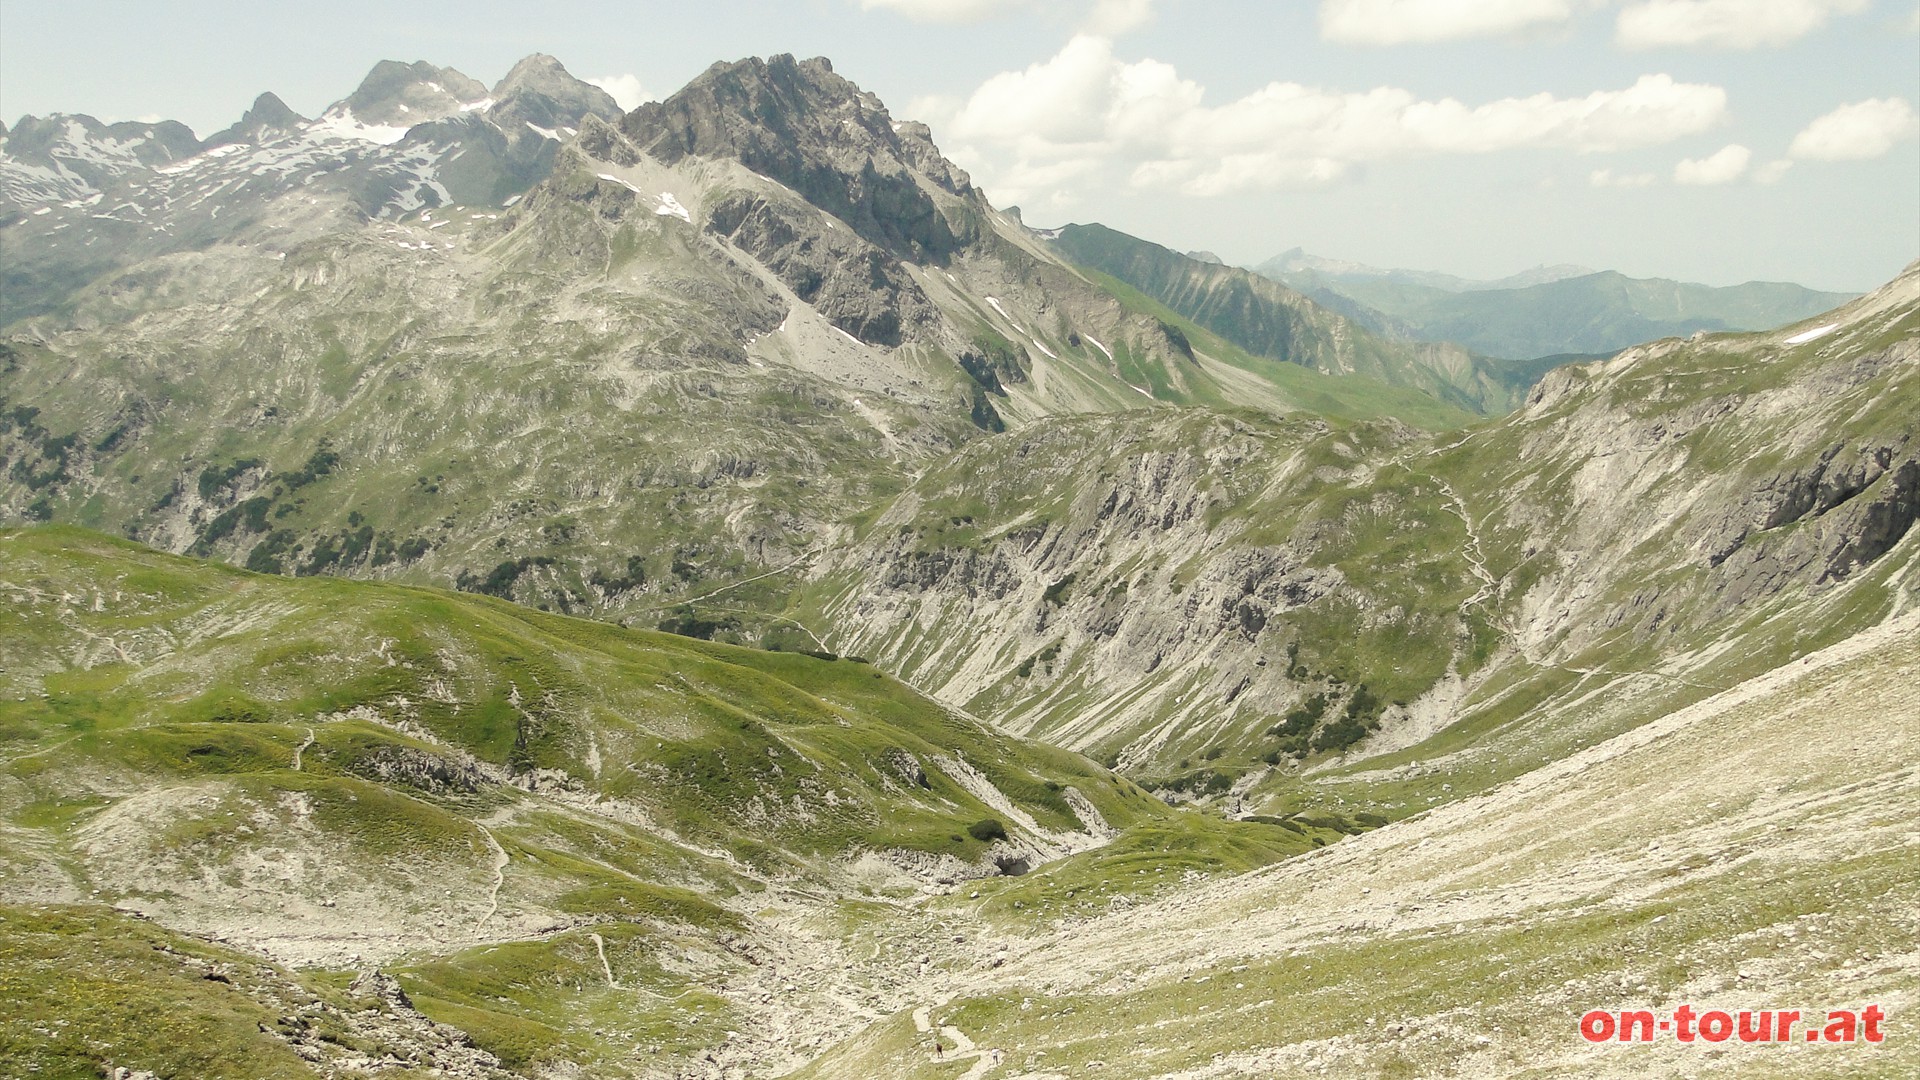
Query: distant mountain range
[1300, 261]
[1546, 311]
[411, 137]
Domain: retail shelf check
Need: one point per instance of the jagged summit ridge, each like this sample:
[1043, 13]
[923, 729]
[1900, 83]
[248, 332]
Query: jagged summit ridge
[797, 122]
[402, 95]
[268, 119]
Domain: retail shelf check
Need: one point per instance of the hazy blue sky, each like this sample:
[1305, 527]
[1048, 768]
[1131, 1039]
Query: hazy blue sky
[1709, 140]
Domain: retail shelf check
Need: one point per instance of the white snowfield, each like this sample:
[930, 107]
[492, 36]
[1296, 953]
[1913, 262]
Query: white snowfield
[670, 207]
[1814, 334]
[340, 123]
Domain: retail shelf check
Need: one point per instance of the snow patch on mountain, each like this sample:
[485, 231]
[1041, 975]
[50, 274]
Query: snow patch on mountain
[340, 123]
[670, 207]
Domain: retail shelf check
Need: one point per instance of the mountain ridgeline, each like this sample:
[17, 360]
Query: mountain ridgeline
[332, 350]
[1269, 319]
[1570, 310]
[494, 584]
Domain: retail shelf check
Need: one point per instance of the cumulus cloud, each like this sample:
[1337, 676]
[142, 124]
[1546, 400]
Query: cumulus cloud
[1609, 178]
[943, 11]
[1856, 132]
[1401, 22]
[1727, 24]
[626, 90]
[1772, 171]
[1723, 167]
[1086, 106]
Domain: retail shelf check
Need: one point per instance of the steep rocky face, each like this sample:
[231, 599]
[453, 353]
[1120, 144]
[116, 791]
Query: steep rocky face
[859, 287]
[1123, 588]
[800, 124]
[1682, 483]
[822, 137]
[1150, 589]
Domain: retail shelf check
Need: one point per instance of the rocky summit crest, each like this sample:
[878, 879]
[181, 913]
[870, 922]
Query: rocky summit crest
[408, 94]
[270, 117]
[797, 122]
[540, 92]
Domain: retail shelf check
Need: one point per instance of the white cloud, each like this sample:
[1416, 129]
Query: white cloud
[1609, 178]
[1400, 22]
[1722, 167]
[943, 11]
[1856, 132]
[1727, 24]
[1085, 105]
[626, 90]
[1111, 18]
[1772, 171]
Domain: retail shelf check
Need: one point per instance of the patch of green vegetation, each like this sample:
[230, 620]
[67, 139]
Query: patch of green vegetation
[1145, 860]
[85, 987]
[801, 736]
[552, 1002]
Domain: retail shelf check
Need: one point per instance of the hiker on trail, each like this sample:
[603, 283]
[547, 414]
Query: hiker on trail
[937, 1049]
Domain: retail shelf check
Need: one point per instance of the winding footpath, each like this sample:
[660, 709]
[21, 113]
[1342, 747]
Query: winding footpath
[301, 749]
[985, 1061]
[600, 946]
[500, 861]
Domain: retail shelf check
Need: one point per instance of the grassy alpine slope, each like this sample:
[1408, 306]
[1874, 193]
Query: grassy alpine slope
[572, 841]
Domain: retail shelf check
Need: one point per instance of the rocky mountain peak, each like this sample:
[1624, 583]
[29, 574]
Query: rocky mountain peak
[541, 92]
[268, 118]
[402, 95]
[797, 122]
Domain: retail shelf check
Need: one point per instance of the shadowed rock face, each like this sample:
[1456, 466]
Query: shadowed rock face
[859, 287]
[834, 145]
[800, 124]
